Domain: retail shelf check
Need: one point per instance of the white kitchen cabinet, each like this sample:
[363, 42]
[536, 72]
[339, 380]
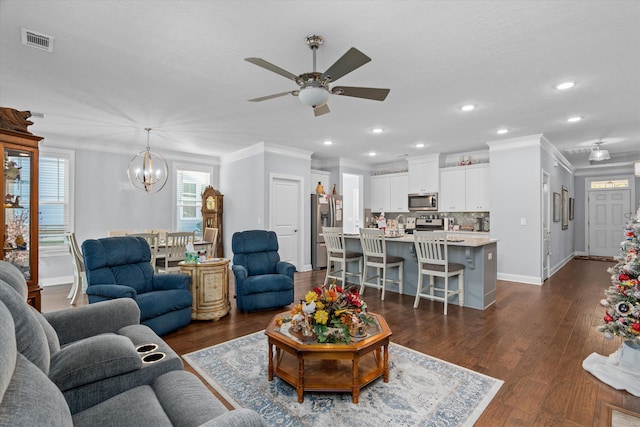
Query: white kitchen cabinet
[464, 189]
[389, 193]
[424, 174]
[452, 191]
[477, 189]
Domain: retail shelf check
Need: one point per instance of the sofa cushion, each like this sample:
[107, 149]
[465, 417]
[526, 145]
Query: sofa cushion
[32, 399]
[157, 303]
[31, 339]
[52, 336]
[93, 359]
[11, 275]
[270, 282]
[136, 407]
[185, 399]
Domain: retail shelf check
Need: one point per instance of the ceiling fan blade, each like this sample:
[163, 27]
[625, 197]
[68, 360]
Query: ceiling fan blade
[275, 95]
[347, 63]
[269, 66]
[373, 93]
[321, 109]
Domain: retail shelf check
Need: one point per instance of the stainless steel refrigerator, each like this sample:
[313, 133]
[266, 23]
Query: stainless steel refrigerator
[326, 211]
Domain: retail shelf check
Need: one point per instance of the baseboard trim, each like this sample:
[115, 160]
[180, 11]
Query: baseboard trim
[53, 281]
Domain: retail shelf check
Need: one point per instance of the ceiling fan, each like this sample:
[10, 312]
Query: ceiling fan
[315, 87]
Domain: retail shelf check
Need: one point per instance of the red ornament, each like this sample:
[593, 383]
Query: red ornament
[608, 318]
[636, 326]
[623, 276]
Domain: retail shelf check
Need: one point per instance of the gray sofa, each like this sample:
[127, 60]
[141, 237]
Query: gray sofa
[82, 367]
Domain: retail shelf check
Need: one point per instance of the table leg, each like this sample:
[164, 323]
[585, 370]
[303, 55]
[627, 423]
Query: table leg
[355, 388]
[270, 371]
[385, 352]
[300, 387]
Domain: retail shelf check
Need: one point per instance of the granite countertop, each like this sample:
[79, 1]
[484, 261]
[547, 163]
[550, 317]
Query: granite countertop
[454, 239]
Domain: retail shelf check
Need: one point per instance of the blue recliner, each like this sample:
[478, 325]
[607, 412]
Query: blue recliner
[262, 280]
[120, 267]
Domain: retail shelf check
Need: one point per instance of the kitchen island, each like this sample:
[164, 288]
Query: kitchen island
[477, 254]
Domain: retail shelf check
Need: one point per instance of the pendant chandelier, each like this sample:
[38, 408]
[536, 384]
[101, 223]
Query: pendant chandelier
[148, 171]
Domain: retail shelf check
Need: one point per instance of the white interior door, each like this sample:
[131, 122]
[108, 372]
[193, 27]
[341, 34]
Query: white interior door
[607, 210]
[285, 214]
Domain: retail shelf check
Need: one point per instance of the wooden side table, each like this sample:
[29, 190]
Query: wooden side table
[209, 288]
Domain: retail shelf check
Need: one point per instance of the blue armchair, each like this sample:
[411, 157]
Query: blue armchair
[120, 267]
[262, 280]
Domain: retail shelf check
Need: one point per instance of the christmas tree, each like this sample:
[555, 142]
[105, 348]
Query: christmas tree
[622, 316]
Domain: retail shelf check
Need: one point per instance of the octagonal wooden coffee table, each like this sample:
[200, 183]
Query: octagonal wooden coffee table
[329, 367]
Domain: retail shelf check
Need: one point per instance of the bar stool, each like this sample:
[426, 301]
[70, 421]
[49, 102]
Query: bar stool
[375, 255]
[433, 260]
[337, 254]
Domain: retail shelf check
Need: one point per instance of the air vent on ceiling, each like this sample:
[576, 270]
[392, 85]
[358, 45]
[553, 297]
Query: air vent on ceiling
[37, 40]
[579, 150]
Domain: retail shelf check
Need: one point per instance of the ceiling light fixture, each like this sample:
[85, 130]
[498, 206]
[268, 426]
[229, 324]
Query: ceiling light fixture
[327, 142]
[143, 175]
[502, 131]
[597, 154]
[376, 130]
[565, 85]
[372, 153]
[574, 119]
[313, 96]
[468, 107]
[420, 145]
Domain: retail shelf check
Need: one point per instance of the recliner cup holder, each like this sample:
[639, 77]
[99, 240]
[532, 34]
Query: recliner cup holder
[146, 348]
[153, 357]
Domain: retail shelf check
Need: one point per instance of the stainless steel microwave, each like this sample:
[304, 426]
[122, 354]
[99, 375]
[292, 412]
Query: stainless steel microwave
[423, 202]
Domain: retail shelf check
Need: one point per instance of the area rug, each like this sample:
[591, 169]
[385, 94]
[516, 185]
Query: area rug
[422, 390]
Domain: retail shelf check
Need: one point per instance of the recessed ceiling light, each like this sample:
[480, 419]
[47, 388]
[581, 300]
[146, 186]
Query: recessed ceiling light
[376, 130]
[420, 145]
[502, 131]
[372, 153]
[468, 107]
[574, 119]
[565, 85]
[327, 142]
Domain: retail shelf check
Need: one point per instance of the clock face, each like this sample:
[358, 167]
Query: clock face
[211, 203]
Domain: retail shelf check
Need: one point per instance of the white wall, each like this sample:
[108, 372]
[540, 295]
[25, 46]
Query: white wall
[515, 180]
[104, 200]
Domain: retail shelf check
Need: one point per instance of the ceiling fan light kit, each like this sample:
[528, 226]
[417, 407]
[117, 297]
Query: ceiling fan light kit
[315, 87]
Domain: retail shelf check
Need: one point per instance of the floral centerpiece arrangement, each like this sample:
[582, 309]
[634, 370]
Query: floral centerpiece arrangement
[622, 316]
[332, 314]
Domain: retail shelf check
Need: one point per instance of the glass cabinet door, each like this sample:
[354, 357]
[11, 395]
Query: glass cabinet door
[17, 246]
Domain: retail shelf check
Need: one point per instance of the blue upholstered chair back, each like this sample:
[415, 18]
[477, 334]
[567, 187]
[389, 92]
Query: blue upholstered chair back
[119, 260]
[256, 250]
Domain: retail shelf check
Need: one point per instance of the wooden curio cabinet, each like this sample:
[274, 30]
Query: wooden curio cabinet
[212, 214]
[20, 197]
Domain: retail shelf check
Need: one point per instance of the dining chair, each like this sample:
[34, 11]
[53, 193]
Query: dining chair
[374, 248]
[211, 237]
[162, 233]
[115, 233]
[153, 239]
[79, 276]
[433, 260]
[172, 251]
[338, 254]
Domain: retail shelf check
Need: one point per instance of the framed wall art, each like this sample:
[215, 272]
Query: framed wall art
[571, 211]
[557, 205]
[565, 208]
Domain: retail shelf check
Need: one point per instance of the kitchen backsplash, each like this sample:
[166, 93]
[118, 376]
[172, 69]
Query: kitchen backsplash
[463, 219]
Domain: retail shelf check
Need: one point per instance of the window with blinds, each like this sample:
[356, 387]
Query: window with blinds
[54, 199]
[189, 185]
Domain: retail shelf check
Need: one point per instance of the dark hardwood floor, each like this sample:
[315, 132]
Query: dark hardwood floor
[534, 338]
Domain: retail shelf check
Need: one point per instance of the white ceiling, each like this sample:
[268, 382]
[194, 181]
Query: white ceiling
[178, 67]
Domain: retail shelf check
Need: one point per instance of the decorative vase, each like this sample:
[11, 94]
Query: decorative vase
[319, 188]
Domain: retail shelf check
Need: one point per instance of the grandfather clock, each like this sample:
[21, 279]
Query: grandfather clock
[212, 214]
[19, 182]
